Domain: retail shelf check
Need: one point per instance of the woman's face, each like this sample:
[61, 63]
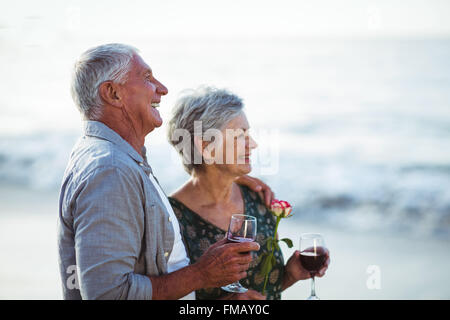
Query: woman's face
[233, 155]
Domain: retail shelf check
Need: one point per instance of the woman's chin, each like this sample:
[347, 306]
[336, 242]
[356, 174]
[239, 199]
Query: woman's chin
[236, 169]
[245, 168]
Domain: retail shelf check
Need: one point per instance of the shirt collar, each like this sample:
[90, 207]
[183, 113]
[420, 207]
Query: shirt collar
[100, 130]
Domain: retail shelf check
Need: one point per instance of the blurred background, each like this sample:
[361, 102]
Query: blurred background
[349, 102]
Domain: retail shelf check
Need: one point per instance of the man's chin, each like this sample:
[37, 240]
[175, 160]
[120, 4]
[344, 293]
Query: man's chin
[155, 124]
[155, 118]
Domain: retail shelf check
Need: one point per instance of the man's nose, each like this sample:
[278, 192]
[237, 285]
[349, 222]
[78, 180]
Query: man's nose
[161, 89]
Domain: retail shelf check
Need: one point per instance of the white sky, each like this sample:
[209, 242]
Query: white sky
[37, 34]
[41, 20]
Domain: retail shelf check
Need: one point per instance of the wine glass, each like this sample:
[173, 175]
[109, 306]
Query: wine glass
[312, 257]
[242, 228]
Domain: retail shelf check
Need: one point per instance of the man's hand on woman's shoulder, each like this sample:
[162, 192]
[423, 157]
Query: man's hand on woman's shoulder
[264, 191]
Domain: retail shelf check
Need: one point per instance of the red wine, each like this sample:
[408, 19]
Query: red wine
[232, 239]
[312, 260]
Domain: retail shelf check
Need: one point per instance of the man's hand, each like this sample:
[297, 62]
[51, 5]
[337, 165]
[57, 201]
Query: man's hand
[224, 263]
[264, 191]
[294, 270]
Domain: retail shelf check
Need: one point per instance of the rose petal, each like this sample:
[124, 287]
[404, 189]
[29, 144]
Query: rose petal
[276, 208]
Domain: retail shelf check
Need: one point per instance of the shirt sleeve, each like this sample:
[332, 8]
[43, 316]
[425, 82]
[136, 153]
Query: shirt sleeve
[109, 226]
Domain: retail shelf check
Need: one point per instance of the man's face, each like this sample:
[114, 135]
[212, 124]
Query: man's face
[142, 97]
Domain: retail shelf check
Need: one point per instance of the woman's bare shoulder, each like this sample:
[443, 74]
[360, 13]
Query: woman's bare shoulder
[184, 192]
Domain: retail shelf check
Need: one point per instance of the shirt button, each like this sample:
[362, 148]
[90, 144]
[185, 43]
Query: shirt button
[141, 164]
[170, 219]
[166, 254]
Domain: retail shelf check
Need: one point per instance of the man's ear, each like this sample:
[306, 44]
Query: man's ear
[110, 93]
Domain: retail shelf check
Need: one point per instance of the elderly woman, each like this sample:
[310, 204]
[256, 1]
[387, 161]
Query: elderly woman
[205, 203]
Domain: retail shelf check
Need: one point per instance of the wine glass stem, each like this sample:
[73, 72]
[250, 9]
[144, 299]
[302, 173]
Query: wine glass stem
[313, 287]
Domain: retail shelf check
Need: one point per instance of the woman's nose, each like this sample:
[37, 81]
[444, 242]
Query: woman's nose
[252, 143]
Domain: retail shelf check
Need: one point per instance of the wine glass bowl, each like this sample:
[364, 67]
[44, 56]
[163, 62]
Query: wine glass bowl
[313, 255]
[242, 228]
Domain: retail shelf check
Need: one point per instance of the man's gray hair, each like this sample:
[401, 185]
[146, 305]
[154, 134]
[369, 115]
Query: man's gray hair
[212, 106]
[108, 62]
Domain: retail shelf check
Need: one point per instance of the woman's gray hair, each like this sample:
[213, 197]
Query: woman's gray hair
[212, 106]
[108, 62]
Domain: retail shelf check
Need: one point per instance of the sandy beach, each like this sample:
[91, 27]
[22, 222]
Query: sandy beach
[410, 268]
[28, 251]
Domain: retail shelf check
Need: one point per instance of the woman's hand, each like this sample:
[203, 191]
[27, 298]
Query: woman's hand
[294, 270]
[249, 295]
[263, 190]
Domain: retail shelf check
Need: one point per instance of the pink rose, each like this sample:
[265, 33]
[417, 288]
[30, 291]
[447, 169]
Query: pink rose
[286, 207]
[280, 209]
[276, 207]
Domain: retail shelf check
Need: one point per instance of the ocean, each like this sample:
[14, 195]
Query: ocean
[355, 133]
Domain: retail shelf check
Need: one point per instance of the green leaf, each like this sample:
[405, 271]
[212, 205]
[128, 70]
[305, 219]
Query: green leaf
[277, 247]
[261, 257]
[273, 262]
[288, 242]
[266, 266]
[269, 243]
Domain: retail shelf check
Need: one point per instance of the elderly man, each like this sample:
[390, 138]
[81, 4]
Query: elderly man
[118, 237]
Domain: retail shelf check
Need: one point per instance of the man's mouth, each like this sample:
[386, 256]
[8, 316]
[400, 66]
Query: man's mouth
[155, 104]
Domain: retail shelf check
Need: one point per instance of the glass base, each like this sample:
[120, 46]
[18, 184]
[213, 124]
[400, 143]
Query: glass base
[313, 298]
[235, 288]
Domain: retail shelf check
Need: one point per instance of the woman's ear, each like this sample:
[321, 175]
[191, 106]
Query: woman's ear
[110, 93]
[199, 147]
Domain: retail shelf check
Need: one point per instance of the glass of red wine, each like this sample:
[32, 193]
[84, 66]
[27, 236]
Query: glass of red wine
[312, 257]
[242, 228]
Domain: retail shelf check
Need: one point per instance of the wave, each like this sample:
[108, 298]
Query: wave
[342, 189]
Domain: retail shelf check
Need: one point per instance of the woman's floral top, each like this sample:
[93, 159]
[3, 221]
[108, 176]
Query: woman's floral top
[199, 234]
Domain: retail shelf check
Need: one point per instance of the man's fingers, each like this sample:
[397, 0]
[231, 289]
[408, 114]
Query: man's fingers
[239, 259]
[268, 197]
[242, 275]
[244, 267]
[261, 196]
[265, 194]
[255, 295]
[255, 184]
[219, 243]
[245, 246]
[250, 182]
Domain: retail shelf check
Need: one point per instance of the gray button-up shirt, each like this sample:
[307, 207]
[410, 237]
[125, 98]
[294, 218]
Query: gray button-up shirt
[113, 228]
